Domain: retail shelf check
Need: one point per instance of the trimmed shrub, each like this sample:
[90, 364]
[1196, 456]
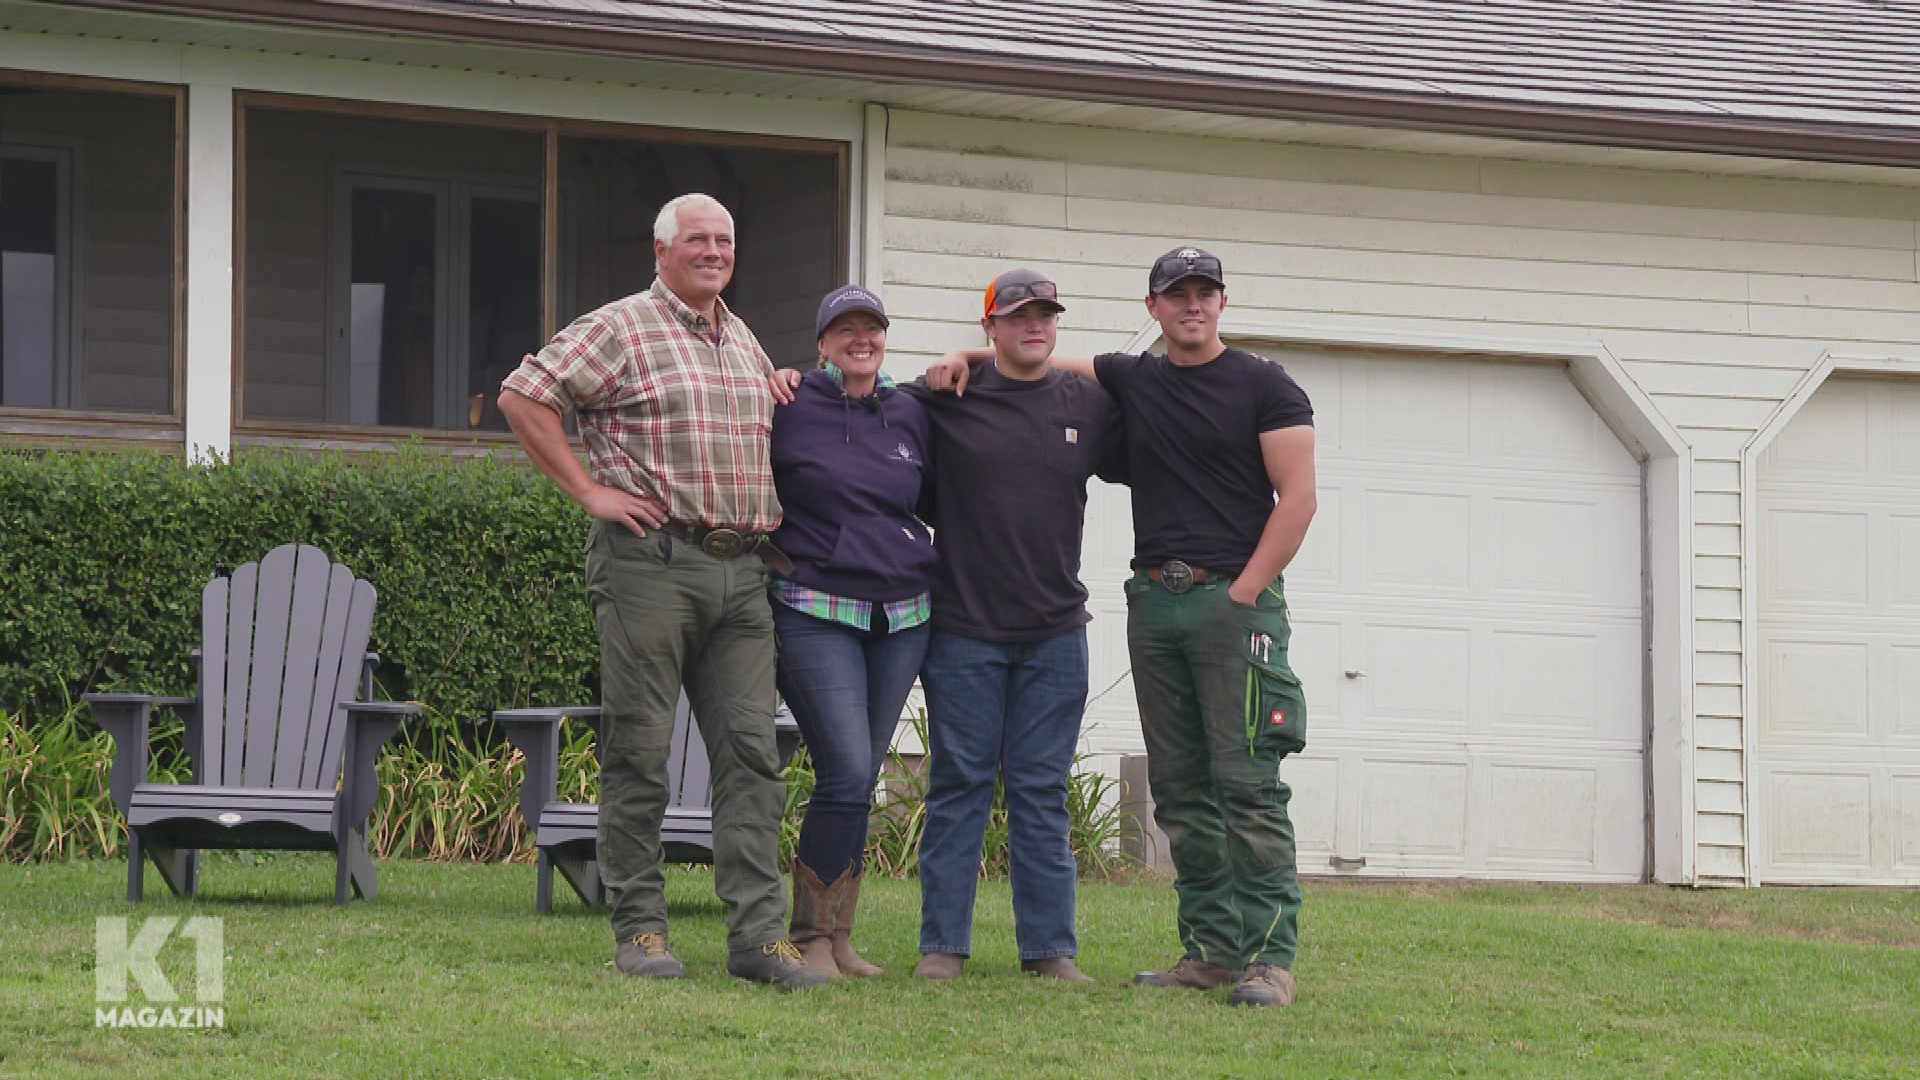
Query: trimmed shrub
[477, 562]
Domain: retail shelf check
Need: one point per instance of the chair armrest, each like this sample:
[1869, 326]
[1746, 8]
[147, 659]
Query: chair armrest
[369, 725]
[126, 718]
[536, 734]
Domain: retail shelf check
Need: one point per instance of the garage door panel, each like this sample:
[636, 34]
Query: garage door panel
[1318, 561]
[1548, 680]
[1419, 673]
[1906, 841]
[1543, 814]
[1828, 436]
[1904, 545]
[1905, 705]
[1546, 545]
[1419, 539]
[1534, 415]
[1314, 654]
[1904, 439]
[1415, 809]
[1315, 806]
[1415, 410]
[1815, 556]
[1820, 820]
[1815, 689]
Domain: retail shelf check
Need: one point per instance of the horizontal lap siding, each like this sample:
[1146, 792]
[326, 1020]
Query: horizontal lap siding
[1716, 294]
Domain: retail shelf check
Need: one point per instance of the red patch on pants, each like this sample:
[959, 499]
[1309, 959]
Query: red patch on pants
[1279, 718]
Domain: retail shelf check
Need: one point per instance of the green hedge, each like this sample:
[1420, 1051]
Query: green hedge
[477, 562]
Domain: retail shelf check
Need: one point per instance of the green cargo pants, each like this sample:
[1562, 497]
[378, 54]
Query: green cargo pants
[1219, 708]
[668, 619]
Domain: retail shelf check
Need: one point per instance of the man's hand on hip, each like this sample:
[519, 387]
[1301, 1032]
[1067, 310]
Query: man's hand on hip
[624, 507]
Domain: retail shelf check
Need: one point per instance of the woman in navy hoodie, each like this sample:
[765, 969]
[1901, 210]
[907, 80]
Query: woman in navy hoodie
[848, 456]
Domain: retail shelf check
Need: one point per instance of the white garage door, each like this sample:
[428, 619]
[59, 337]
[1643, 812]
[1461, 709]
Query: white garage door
[1837, 776]
[1467, 621]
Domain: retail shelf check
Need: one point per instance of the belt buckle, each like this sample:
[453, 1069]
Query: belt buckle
[722, 543]
[1176, 576]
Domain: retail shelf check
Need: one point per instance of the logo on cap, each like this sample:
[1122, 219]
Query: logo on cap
[1186, 253]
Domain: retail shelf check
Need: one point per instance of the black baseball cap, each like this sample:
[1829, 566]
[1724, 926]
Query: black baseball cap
[1183, 263]
[847, 298]
[1018, 288]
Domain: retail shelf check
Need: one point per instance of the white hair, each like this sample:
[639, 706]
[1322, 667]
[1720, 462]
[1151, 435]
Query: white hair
[666, 227]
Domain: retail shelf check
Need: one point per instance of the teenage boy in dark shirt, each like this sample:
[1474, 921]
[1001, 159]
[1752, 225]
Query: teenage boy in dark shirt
[1213, 435]
[1006, 669]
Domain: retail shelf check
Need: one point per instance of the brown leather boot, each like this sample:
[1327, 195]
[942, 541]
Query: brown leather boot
[1264, 984]
[939, 965]
[1190, 974]
[849, 962]
[1057, 967]
[815, 907]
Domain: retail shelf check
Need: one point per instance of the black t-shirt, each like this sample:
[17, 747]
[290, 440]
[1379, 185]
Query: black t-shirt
[1007, 500]
[1200, 488]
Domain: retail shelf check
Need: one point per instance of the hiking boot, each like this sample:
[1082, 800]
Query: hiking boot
[1055, 967]
[1190, 974]
[646, 956]
[848, 961]
[815, 907]
[1264, 984]
[939, 965]
[778, 964]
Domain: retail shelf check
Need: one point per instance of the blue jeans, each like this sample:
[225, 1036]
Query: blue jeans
[1010, 710]
[846, 688]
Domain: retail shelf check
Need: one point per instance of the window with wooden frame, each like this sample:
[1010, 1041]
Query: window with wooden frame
[397, 263]
[89, 244]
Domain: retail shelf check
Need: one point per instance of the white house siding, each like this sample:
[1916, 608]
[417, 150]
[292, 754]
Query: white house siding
[1716, 293]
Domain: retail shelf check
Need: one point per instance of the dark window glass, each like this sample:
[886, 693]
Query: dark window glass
[86, 250]
[786, 215]
[393, 268]
[29, 208]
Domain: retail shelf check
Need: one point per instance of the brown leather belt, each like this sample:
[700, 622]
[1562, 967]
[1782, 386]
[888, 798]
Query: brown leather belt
[728, 543]
[1178, 577]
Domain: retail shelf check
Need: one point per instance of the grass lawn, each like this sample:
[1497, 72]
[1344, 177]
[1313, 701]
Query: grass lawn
[449, 973]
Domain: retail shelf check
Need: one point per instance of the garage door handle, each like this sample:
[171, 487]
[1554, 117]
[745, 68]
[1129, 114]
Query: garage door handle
[1339, 863]
[1355, 673]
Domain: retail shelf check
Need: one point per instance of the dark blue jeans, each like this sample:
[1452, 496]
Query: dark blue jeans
[846, 688]
[1010, 710]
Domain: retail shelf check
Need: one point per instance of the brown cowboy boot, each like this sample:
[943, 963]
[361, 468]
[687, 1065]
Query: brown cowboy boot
[815, 907]
[849, 962]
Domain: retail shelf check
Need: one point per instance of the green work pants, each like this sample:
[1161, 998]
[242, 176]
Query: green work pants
[1219, 708]
[669, 615]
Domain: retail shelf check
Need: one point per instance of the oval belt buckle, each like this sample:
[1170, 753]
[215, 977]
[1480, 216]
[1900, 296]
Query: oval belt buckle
[1176, 576]
[722, 543]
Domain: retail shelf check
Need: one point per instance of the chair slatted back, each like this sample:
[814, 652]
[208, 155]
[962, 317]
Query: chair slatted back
[283, 641]
[689, 775]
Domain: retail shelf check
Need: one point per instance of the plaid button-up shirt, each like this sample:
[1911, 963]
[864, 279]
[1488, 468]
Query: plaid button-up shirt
[670, 406]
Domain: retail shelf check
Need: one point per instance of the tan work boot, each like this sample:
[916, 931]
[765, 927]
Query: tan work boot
[1264, 984]
[815, 907]
[939, 965]
[1190, 974]
[1055, 967]
[646, 956]
[849, 962]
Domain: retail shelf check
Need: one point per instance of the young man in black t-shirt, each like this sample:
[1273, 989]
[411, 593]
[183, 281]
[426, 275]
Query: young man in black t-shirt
[1006, 666]
[1213, 435]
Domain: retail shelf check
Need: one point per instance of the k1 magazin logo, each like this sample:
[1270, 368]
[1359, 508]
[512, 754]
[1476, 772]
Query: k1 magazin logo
[119, 959]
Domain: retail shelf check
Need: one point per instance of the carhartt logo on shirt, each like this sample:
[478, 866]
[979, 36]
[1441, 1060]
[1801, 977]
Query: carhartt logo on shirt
[1073, 435]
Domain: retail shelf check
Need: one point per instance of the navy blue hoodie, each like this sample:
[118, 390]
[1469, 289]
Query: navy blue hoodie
[848, 471]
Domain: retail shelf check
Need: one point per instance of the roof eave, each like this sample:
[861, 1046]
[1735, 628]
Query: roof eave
[1856, 144]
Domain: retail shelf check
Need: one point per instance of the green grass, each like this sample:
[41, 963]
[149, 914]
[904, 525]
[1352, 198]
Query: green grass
[449, 973]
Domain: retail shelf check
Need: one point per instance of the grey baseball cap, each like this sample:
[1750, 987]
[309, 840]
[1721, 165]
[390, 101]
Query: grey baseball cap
[846, 299]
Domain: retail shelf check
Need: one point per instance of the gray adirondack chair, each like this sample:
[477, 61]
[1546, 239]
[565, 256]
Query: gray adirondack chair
[274, 725]
[567, 833]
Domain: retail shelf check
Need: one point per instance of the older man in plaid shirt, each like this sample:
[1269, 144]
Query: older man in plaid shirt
[675, 403]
